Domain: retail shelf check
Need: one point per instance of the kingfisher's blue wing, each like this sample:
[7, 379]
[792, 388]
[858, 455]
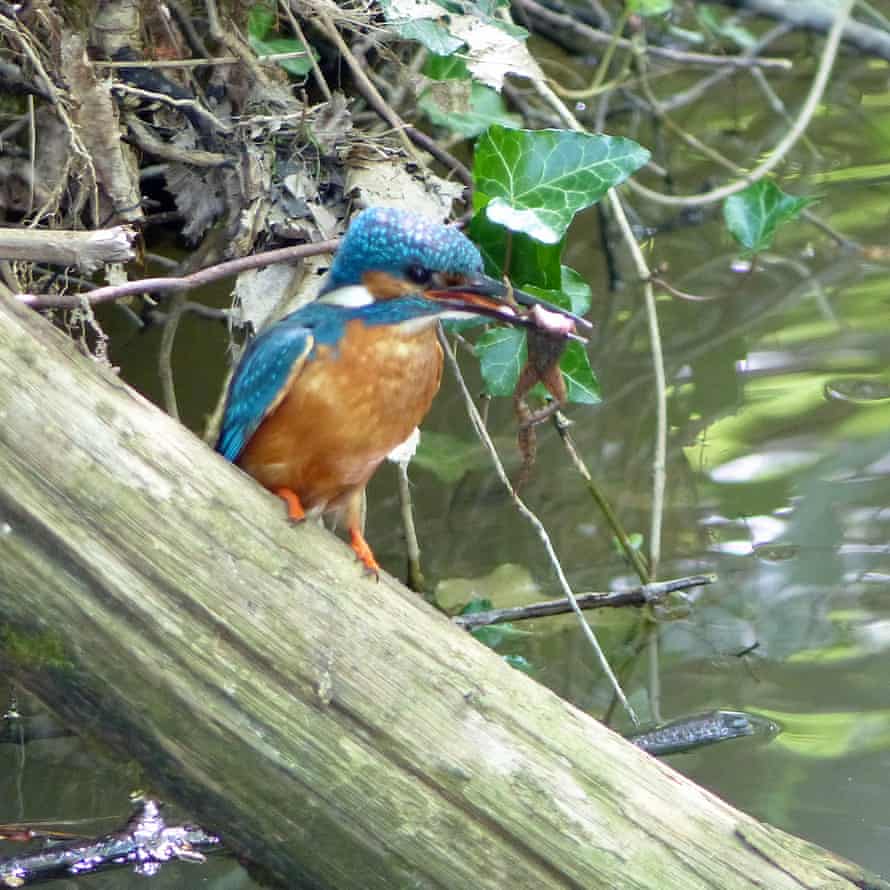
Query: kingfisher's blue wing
[261, 380]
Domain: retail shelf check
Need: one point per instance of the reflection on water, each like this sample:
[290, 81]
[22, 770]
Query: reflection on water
[779, 481]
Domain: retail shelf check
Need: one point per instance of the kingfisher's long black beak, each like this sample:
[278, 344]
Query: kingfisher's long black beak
[502, 295]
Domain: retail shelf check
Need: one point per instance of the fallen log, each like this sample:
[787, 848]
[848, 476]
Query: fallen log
[336, 731]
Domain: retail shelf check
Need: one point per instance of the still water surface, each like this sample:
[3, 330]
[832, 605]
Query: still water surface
[778, 481]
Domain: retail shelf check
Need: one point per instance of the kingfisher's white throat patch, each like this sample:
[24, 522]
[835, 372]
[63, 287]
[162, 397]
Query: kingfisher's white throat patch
[351, 297]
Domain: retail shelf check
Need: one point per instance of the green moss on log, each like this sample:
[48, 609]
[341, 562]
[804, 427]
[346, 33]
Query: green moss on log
[35, 650]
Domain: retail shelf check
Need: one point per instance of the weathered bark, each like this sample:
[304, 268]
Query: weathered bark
[337, 731]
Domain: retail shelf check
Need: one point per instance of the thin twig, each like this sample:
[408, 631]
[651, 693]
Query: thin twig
[192, 104]
[195, 63]
[645, 595]
[562, 424]
[201, 310]
[415, 578]
[317, 73]
[145, 137]
[659, 459]
[183, 19]
[597, 84]
[653, 663]
[682, 294]
[32, 153]
[185, 282]
[146, 839]
[707, 84]
[817, 16]
[600, 12]
[538, 526]
[428, 144]
[165, 354]
[213, 24]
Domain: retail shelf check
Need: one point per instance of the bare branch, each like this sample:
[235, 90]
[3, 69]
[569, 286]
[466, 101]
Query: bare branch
[186, 282]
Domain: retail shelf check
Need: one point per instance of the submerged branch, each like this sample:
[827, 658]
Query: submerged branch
[637, 596]
[145, 843]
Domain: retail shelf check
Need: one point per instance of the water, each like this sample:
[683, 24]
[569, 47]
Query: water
[778, 481]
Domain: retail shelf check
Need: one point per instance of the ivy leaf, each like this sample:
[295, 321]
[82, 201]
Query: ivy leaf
[647, 8]
[574, 292]
[486, 107]
[753, 215]
[502, 354]
[479, 604]
[448, 457]
[432, 34]
[299, 66]
[265, 42]
[421, 20]
[495, 49]
[577, 290]
[727, 28]
[530, 261]
[260, 20]
[520, 662]
[445, 68]
[535, 181]
[636, 541]
[494, 635]
[581, 383]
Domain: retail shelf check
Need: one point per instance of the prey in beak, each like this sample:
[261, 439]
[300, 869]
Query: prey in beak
[549, 327]
[493, 299]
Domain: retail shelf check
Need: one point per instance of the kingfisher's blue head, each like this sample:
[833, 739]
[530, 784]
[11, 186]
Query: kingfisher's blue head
[404, 246]
[388, 252]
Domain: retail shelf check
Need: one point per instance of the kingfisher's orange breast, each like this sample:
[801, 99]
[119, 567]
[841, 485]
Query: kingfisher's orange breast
[345, 411]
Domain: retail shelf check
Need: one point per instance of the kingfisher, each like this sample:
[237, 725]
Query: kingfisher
[321, 397]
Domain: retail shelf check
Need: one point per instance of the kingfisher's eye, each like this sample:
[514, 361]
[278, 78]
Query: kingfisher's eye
[418, 274]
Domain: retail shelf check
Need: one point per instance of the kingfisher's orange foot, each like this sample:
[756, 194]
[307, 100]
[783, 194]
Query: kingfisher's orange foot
[364, 553]
[295, 511]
